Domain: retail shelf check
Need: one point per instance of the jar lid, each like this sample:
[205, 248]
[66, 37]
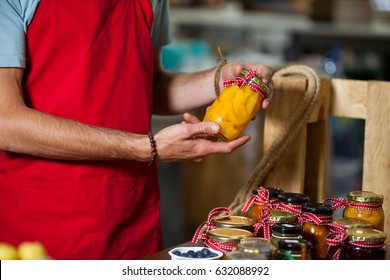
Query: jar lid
[273, 192]
[288, 228]
[228, 234]
[365, 196]
[296, 245]
[258, 82]
[233, 221]
[259, 246]
[239, 255]
[281, 216]
[366, 234]
[351, 222]
[294, 198]
[317, 208]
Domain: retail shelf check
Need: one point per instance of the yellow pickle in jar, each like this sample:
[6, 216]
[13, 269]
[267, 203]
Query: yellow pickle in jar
[367, 206]
[237, 104]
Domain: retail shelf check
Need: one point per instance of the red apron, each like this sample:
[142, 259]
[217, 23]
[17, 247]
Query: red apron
[89, 61]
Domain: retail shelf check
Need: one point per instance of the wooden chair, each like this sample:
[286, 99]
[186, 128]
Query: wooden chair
[303, 166]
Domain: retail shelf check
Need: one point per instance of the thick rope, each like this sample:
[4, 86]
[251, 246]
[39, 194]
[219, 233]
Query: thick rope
[293, 127]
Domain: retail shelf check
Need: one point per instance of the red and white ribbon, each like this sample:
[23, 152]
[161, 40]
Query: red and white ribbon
[261, 198]
[264, 223]
[219, 246]
[336, 203]
[336, 238]
[246, 80]
[312, 218]
[292, 208]
[208, 224]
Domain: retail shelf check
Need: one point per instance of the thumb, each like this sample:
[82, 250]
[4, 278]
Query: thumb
[207, 128]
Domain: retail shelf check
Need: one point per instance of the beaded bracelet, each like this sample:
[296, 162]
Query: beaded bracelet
[154, 148]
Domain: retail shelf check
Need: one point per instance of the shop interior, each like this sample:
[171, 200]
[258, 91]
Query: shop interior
[347, 39]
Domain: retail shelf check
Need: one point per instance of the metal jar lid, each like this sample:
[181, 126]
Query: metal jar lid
[366, 235]
[287, 228]
[351, 222]
[365, 196]
[239, 255]
[317, 208]
[228, 234]
[273, 192]
[280, 216]
[265, 89]
[293, 198]
[233, 222]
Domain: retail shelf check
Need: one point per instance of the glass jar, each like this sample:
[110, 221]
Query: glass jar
[366, 206]
[257, 245]
[336, 237]
[265, 197]
[315, 221]
[226, 239]
[293, 249]
[364, 244]
[237, 104]
[275, 217]
[240, 222]
[285, 231]
[292, 202]
[239, 255]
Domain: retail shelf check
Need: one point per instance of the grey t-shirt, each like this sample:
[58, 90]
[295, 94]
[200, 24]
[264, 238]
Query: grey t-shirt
[16, 15]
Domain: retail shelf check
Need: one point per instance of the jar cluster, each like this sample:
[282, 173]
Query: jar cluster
[287, 226]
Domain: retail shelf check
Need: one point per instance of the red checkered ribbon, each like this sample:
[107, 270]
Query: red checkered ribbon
[292, 208]
[264, 223]
[336, 203]
[336, 238]
[219, 246]
[261, 198]
[246, 80]
[208, 224]
[312, 218]
[365, 244]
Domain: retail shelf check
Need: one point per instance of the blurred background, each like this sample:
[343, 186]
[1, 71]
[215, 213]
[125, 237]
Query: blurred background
[347, 39]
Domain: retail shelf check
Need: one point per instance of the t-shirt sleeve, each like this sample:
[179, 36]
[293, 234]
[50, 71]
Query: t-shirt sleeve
[161, 31]
[15, 15]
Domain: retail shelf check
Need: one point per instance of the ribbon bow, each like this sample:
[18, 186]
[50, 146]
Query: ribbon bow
[336, 238]
[312, 218]
[202, 230]
[264, 223]
[336, 203]
[262, 198]
[246, 80]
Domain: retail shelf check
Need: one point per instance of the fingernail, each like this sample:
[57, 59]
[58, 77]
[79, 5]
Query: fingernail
[215, 128]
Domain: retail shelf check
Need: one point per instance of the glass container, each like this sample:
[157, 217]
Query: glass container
[367, 206]
[237, 104]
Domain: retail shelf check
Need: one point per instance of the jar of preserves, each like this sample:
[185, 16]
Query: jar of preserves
[232, 221]
[270, 217]
[364, 244]
[292, 202]
[367, 206]
[285, 231]
[225, 239]
[315, 220]
[264, 197]
[257, 245]
[293, 249]
[337, 237]
[239, 255]
[237, 104]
